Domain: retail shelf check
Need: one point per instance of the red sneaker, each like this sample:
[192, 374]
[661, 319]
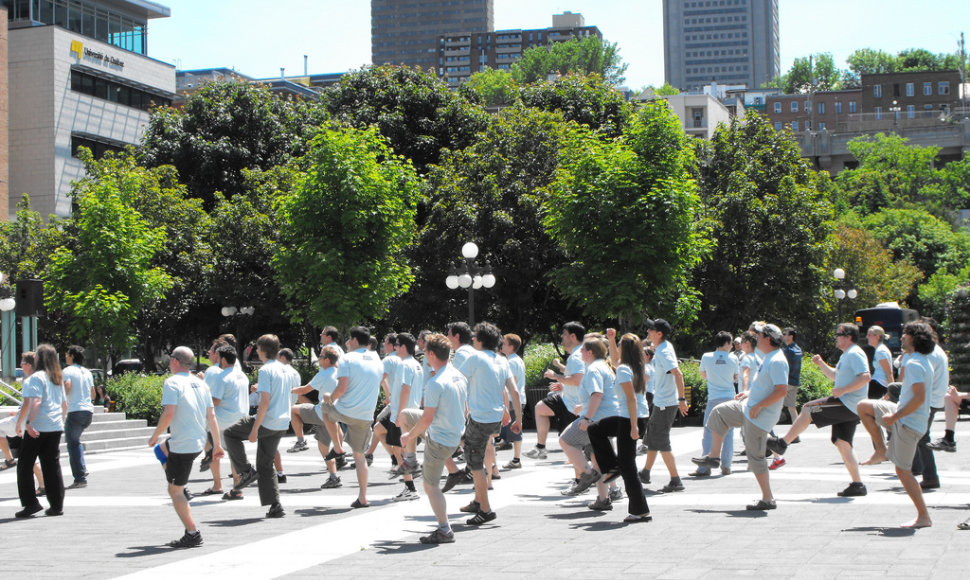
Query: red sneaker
[778, 462]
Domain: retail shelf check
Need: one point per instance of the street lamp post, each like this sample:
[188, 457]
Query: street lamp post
[895, 110]
[470, 275]
[229, 312]
[840, 292]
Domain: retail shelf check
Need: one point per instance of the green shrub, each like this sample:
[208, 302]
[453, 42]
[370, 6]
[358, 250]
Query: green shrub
[697, 386]
[814, 384]
[537, 357]
[138, 396]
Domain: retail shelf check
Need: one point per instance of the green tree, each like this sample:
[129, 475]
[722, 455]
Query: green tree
[811, 73]
[958, 337]
[623, 211]
[666, 90]
[225, 128]
[412, 109]
[492, 193]
[921, 239]
[938, 290]
[345, 225]
[868, 61]
[770, 229]
[586, 99]
[105, 277]
[26, 243]
[492, 87]
[591, 54]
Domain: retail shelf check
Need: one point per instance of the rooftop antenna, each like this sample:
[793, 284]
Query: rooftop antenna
[305, 59]
[282, 73]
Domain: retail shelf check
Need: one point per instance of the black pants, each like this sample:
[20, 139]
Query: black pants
[266, 445]
[46, 447]
[625, 456]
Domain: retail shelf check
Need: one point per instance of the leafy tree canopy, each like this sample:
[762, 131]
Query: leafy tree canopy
[587, 99]
[817, 72]
[920, 238]
[492, 87]
[591, 54]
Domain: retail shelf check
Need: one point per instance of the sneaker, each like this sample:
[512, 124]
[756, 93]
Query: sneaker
[503, 446]
[206, 462]
[438, 537]
[536, 453]
[600, 505]
[275, 511]
[707, 461]
[28, 511]
[778, 462]
[674, 485]
[761, 506]
[616, 494]
[188, 494]
[513, 465]
[341, 461]
[700, 473]
[370, 458]
[187, 541]
[942, 444]
[472, 508]
[777, 445]
[453, 480]
[280, 478]
[53, 512]
[333, 455]
[929, 484]
[574, 489]
[406, 495]
[587, 479]
[481, 518]
[246, 479]
[331, 483]
[644, 475]
[855, 489]
[300, 445]
[466, 476]
[77, 485]
[725, 471]
[642, 449]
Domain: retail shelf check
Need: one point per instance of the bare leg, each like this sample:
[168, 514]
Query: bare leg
[332, 464]
[297, 422]
[914, 492]
[490, 460]
[216, 467]
[361, 467]
[5, 448]
[437, 500]
[517, 450]
[951, 410]
[800, 423]
[765, 486]
[671, 462]
[176, 492]
[481, 490]
[717, 440]
[336, 435]
[575, 456]
[651, 457]
[39, 475]
[868, 419]
[543, 415]
[848, 457]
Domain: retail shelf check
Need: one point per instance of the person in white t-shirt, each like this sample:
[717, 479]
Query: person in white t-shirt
[562, 402]
[293, 381]
[79, 387]
[511, 343]
[720, 369]
[188, 410]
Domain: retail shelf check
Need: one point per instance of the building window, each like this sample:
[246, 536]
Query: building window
[910, 111]
[777, 106]
[877, 91]
[878, 112]
[794, 125]
[821, 126]
[777, 125]
[821, 108]
[927, 111]
[927, 89]
[794, 106]
[115, 92]
[910, 89]
[944, 88]
[852, 106]
[97, 148]
[838, 107]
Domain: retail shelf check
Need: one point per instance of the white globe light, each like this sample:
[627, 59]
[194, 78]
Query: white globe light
[465, 280]
[488, 280]
[7, 304]
[228, 310]
[839, 274]
[451, 282]
[477, 282]
[853, 294]
[469, 250]
[840, 294]
[247, 310]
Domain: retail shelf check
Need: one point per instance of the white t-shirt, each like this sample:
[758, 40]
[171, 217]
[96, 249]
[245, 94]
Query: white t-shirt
[624, 374]
[293, 381]
[574, 366]
[598, 378]
[408, 373]
[941, 377]
[364, 371]
[773, 371]
[665, 387]
[50, 415]
[192, 399]
[517, 367]
[878, 373]
[273, 379]
[852, 363]
[918, 370]
[447, 392]
[486, 372]
[721, 369]
[230, 386]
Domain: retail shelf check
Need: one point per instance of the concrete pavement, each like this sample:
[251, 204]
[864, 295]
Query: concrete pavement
[118, 525]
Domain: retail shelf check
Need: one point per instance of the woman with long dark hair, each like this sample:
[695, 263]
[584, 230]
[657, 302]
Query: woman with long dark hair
[43, 411]
[630, 387]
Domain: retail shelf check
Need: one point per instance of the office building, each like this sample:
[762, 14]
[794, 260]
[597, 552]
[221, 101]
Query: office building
[78, 76]
[460, 54]
[406, 31]
[724, 41]
[4, 144]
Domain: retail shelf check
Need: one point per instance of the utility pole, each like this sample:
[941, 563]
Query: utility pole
[963, 76]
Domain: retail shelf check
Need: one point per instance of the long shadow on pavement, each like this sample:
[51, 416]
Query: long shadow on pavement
[879, 531]
[575, 515]
[734, 513]
[235, 523]
[311, 512]
[391, 547]
[139, 551]
[598, 526]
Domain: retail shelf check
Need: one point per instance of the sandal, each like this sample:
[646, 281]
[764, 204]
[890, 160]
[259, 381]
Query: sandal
[232, 494]
[761, 506]
[357, 504]
[7, 464]
[211, 491]
[964, 525]
[638, 519]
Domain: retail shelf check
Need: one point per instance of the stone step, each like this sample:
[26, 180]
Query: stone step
[135, 432]
[105, 445]
[115, 425]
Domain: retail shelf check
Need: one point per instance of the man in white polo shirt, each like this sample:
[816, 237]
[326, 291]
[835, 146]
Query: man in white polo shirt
[188, 409]
[265, 429]
[720, 370]
[563, 397]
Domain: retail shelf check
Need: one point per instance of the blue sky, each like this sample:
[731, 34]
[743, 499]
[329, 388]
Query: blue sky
[257, 37]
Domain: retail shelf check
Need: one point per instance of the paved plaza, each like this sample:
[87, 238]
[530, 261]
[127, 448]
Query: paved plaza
[118, 525]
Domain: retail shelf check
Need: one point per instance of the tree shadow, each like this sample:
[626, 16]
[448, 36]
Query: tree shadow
[881, 531]
[750, 514]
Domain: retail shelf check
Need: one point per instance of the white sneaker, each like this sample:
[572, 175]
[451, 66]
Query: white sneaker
[406, 495]
[298, 446]
[535, 453]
